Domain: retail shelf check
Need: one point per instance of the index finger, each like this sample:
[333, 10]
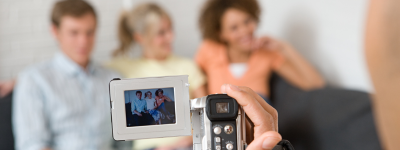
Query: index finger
[262, 120]
[264, 104]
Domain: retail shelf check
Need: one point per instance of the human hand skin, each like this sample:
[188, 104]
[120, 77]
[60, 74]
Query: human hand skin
[137, 113]
[382, 49]
[295, 69]
[263, 116]
[268, 43]
[272, 44]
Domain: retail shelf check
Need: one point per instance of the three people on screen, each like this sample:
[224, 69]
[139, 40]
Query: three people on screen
[146, 110]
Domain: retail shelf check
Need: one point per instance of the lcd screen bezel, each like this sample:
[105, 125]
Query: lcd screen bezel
[182, 127]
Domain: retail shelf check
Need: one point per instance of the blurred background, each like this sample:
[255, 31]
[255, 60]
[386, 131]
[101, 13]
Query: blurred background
[328, 33]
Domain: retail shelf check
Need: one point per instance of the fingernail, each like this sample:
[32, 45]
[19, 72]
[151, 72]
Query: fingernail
[270, 142]
[234, 87]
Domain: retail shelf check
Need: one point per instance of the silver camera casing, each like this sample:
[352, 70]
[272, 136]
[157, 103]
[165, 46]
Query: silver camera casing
[201, 126]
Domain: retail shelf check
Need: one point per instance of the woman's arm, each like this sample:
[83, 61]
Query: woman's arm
[298, 71]
[383, 57]
[167, 98]
[295, 68]
[155, 104]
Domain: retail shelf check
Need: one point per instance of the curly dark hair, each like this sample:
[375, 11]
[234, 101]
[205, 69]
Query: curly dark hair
[158, 91]
[213, 10]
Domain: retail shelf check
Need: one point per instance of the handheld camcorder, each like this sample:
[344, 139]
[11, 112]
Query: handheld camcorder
[155, 107]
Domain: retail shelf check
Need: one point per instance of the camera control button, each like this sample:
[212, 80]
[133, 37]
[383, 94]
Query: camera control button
[229, 146]
[228, 129]
[217, 130]
[217, 139]
[218, 147]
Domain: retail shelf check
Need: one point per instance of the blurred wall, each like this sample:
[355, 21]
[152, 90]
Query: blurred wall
[329, 33]
[25, 33]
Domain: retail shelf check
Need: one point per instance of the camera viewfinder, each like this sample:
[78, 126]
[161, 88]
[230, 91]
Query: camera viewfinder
[222, 108]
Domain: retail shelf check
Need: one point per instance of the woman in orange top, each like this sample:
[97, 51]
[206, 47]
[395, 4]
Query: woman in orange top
[160, 98]
[232, 54]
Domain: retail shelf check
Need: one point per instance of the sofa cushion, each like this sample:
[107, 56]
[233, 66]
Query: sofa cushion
[6, 134]
[328, 118]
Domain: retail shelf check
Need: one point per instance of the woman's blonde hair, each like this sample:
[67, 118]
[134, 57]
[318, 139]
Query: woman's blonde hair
[146, 94]
[138, 20]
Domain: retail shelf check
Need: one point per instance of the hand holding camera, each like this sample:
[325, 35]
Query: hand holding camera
[263, 116]
[216, 121]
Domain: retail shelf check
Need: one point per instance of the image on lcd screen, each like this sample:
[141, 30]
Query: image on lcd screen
[222, 108]
[150, 107]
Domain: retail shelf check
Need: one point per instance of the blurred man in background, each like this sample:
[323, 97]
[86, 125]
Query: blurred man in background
[63, 103]
[383, 56]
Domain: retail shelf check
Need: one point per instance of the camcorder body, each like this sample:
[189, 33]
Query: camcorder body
[218, 123]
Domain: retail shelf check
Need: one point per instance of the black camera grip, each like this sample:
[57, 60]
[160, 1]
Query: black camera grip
[284, 145]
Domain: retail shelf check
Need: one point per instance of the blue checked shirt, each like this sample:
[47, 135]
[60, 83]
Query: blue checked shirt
[140, 105]
[59, 105]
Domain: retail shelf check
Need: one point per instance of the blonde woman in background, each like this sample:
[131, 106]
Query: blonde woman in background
[150, 27]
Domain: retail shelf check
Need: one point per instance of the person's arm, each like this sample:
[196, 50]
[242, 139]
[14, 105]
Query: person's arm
[137, 113]
[295, 68]
[202, 60]
[30, 124]
[298, 71]
[167, 98]
[383, 58]
[155, 105]
[133, 108]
